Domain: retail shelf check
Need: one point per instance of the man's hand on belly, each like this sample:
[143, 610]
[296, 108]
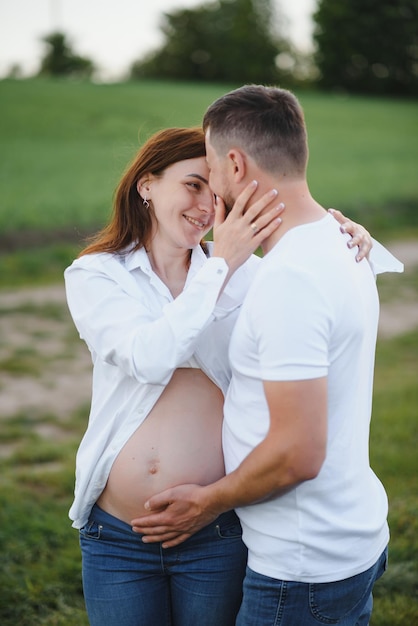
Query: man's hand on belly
[175, 515]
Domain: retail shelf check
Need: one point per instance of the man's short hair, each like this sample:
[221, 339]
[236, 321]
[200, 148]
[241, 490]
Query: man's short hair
[266, 122]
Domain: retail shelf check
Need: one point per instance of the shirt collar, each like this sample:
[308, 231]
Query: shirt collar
[137, 258]
[134, 259]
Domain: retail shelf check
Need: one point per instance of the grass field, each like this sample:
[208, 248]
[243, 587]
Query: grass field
[63, 147]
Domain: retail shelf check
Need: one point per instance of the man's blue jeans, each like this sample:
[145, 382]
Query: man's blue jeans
[271, 602]
[129, 583]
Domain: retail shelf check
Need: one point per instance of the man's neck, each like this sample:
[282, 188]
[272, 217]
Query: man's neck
[301, 208]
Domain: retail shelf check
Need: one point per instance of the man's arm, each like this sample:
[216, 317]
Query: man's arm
[293, 451]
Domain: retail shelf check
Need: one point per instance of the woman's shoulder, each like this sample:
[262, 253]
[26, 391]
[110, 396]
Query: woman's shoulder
[97, 261]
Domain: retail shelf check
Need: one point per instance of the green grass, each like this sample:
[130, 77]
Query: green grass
[36, 265]
[40, 580]
[394, 443]
[364, 154]
[64, 146]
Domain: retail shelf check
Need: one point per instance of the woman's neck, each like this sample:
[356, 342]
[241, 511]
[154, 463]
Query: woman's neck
[171, 267]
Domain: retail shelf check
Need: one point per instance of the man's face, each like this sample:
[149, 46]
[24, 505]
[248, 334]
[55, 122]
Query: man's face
[218, 175]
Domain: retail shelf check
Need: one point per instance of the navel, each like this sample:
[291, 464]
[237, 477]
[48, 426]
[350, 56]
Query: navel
[153, 468]
[153, 464]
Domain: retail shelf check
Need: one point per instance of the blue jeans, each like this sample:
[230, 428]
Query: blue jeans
[271, 602]
[129, 583]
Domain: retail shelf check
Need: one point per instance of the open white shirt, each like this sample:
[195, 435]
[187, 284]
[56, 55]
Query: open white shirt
[138, 335]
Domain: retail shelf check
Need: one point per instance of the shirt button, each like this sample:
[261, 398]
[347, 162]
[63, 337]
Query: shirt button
[219, 271]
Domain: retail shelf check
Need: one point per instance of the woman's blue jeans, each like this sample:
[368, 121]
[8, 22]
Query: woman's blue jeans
[271, 602]
[129, 583]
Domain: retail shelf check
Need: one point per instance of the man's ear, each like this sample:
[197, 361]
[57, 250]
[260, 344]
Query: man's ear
[238, 164]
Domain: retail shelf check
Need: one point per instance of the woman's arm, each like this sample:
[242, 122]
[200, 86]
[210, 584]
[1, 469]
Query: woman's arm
[123, 328]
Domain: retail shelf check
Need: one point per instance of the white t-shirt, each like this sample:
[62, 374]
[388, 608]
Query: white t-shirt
[311, 311]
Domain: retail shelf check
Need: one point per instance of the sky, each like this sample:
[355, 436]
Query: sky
[112, 33]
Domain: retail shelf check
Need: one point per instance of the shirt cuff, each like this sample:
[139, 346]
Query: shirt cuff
[225, 304]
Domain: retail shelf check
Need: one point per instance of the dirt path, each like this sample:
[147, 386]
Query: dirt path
[45, 368]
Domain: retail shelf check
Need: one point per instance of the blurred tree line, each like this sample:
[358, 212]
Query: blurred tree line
[223, 40]
[60, 60]
[366, 46]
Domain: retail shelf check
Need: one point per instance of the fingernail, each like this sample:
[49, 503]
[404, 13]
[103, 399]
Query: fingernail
[350, 244]
[254, 183]
[280, 206]
[274, 192]
[342, 229]
[331, 211]
[279, 220]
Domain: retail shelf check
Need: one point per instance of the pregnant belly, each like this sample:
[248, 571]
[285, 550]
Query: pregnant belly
[179, 442]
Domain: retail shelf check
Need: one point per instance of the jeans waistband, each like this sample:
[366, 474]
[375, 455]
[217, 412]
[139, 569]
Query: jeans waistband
[102, 517]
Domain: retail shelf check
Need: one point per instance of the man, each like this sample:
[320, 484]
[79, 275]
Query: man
[297, 413]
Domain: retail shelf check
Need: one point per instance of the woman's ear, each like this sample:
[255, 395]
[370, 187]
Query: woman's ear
[143, 186]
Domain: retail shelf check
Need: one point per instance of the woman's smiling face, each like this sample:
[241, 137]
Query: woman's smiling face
[183, 203]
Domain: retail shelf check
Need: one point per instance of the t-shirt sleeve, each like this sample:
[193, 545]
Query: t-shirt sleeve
[291, 324]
